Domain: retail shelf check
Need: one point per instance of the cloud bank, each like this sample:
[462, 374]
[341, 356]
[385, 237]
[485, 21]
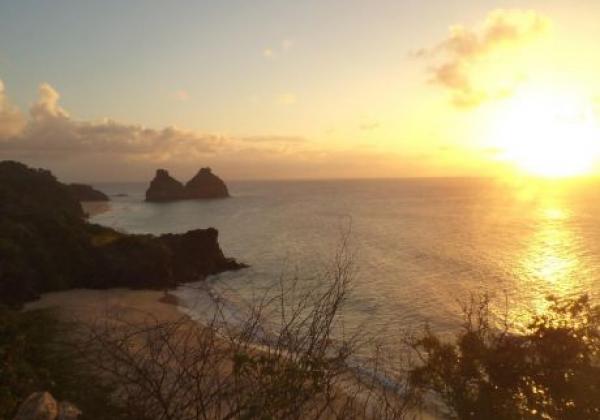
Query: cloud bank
[109, 150]
[12, 121]
[456, 57]
[50, 131]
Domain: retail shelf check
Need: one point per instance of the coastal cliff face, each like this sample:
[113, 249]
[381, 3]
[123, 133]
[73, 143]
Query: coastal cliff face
[47, 245]
[84, 192]
[203, 185]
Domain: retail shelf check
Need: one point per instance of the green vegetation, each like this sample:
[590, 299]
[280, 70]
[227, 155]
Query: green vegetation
[34, 356]
[551, 371]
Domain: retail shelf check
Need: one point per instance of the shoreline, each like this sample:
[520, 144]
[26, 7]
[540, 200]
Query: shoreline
[89, 305]
[137, 307]
[94, 208]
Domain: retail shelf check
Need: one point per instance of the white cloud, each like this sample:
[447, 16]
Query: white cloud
[12, 120]
[47, 104]
[457, 56]
[52, 132]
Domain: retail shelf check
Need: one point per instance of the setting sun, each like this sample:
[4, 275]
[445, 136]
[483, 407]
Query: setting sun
[546, 133]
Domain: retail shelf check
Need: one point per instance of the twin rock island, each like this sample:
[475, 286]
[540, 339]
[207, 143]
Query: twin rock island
[203, 185]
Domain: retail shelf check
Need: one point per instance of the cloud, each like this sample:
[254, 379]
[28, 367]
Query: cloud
[274, 139]
[109, 150]
[47, 106]
[52, 132]
[12, 120]
[457, 57]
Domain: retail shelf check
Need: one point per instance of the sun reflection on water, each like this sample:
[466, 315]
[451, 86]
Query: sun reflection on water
[550, 263]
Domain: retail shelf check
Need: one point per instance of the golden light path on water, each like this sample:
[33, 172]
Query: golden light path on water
[550, 264]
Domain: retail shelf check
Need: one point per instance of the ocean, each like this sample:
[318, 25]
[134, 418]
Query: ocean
[420, 246]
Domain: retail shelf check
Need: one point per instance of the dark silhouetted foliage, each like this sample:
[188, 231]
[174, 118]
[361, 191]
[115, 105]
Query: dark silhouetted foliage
[34, 356]
[84, 192]
[550, 371]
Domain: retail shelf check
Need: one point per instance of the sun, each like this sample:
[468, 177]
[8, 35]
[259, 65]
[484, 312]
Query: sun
[547, 133]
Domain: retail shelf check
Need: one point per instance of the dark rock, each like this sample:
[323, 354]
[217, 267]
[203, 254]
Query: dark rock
[165, 188]
[68, 411]
[43, 406]
[202, 186]
[197, 253]
[84, 192]
[38, 406]
[206, 185]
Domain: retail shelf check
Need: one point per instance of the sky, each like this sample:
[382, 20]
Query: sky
[111, 90]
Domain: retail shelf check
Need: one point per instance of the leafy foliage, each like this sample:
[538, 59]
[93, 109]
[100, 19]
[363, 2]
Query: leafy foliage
[34, 356]
[550, 371]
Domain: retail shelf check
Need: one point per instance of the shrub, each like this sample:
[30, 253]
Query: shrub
[551, 370]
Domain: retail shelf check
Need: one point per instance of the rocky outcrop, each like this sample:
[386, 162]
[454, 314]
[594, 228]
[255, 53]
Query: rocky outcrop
[61, 250]
[203, 185]
[68, 411]
[206, 185]
[165, 188]
[43, 406]
[197, 252]
[148, 261]
[84, 192]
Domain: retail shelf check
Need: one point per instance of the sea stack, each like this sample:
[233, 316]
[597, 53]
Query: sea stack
[165, 188]
[206, 185]
[202, 186]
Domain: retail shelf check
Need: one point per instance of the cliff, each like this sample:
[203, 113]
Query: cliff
[47, 245]
[84, 192]
[203, 185]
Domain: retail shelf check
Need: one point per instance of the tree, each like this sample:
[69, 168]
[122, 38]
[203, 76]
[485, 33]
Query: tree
[549, 371]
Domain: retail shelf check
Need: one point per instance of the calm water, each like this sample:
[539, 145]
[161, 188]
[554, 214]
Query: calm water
[421, 245]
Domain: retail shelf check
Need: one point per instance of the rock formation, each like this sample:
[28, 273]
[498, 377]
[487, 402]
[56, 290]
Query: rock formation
[61, 250]
[84, 192]
[165, 188]
[202, 186]
[206, 185]
[43, 406]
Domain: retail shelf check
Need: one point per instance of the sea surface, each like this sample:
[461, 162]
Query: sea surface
[420, 246]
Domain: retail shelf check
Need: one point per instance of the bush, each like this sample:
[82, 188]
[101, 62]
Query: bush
[35, 355]
[550, 371]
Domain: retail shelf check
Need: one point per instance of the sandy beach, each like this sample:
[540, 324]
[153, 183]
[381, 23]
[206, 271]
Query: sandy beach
[90, 305]
[93, 208]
